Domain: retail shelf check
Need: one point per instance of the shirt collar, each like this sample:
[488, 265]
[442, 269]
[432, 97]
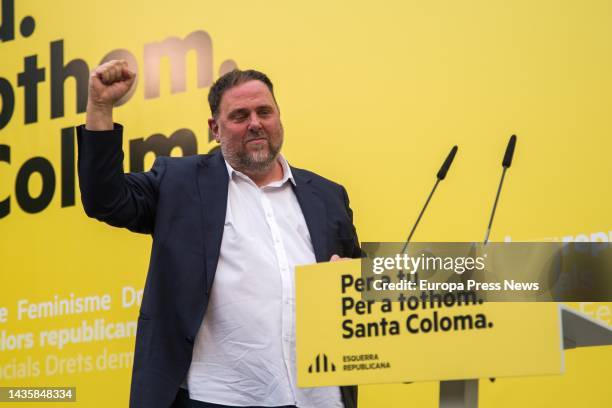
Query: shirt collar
[287, 174]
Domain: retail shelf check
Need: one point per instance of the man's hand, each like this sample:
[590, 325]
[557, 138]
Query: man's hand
[107, 84]
[335, 258]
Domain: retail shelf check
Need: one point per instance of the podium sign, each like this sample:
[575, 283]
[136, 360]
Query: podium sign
[343, 340]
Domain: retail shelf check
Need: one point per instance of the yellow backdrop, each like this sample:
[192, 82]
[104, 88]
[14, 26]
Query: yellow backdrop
[372, 95]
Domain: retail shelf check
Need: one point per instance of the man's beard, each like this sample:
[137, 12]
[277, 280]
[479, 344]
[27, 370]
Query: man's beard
[253, 162]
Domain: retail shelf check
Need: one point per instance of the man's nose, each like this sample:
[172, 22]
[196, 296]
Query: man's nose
[254, 123]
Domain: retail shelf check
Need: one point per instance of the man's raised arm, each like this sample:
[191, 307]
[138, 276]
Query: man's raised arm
[109, 195]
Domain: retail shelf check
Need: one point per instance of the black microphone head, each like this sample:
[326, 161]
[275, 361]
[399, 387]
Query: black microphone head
[446, 165]
[509, 152]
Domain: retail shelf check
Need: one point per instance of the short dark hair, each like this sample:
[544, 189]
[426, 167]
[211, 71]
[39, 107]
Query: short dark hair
[231, 79]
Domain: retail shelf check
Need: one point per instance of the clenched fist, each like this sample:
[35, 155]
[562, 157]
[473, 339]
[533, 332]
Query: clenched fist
[108, 83]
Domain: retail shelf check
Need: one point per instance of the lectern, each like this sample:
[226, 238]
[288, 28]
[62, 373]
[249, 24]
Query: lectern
[369, 342]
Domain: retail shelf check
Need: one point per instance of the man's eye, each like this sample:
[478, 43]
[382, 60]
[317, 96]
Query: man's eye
[239, 118]
[265, 112]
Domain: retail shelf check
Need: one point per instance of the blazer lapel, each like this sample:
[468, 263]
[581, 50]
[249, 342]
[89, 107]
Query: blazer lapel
[314, 212]
[213, 184]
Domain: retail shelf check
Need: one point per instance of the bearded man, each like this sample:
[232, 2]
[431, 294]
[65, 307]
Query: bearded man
[217, 322]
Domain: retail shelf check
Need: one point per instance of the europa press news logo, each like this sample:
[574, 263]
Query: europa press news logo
[321, 364]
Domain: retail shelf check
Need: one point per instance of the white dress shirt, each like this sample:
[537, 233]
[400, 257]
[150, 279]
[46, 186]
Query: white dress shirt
[244, 352]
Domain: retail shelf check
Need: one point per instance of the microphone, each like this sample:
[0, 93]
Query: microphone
[446, 165]
[506, 162]
[509, 152]
[439, 177]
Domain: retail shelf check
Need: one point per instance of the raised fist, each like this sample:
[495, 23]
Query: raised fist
[109, 82]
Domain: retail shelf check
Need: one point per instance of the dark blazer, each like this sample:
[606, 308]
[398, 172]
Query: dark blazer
[181, 202]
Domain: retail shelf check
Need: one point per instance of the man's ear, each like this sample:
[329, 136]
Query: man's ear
[214, 129]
